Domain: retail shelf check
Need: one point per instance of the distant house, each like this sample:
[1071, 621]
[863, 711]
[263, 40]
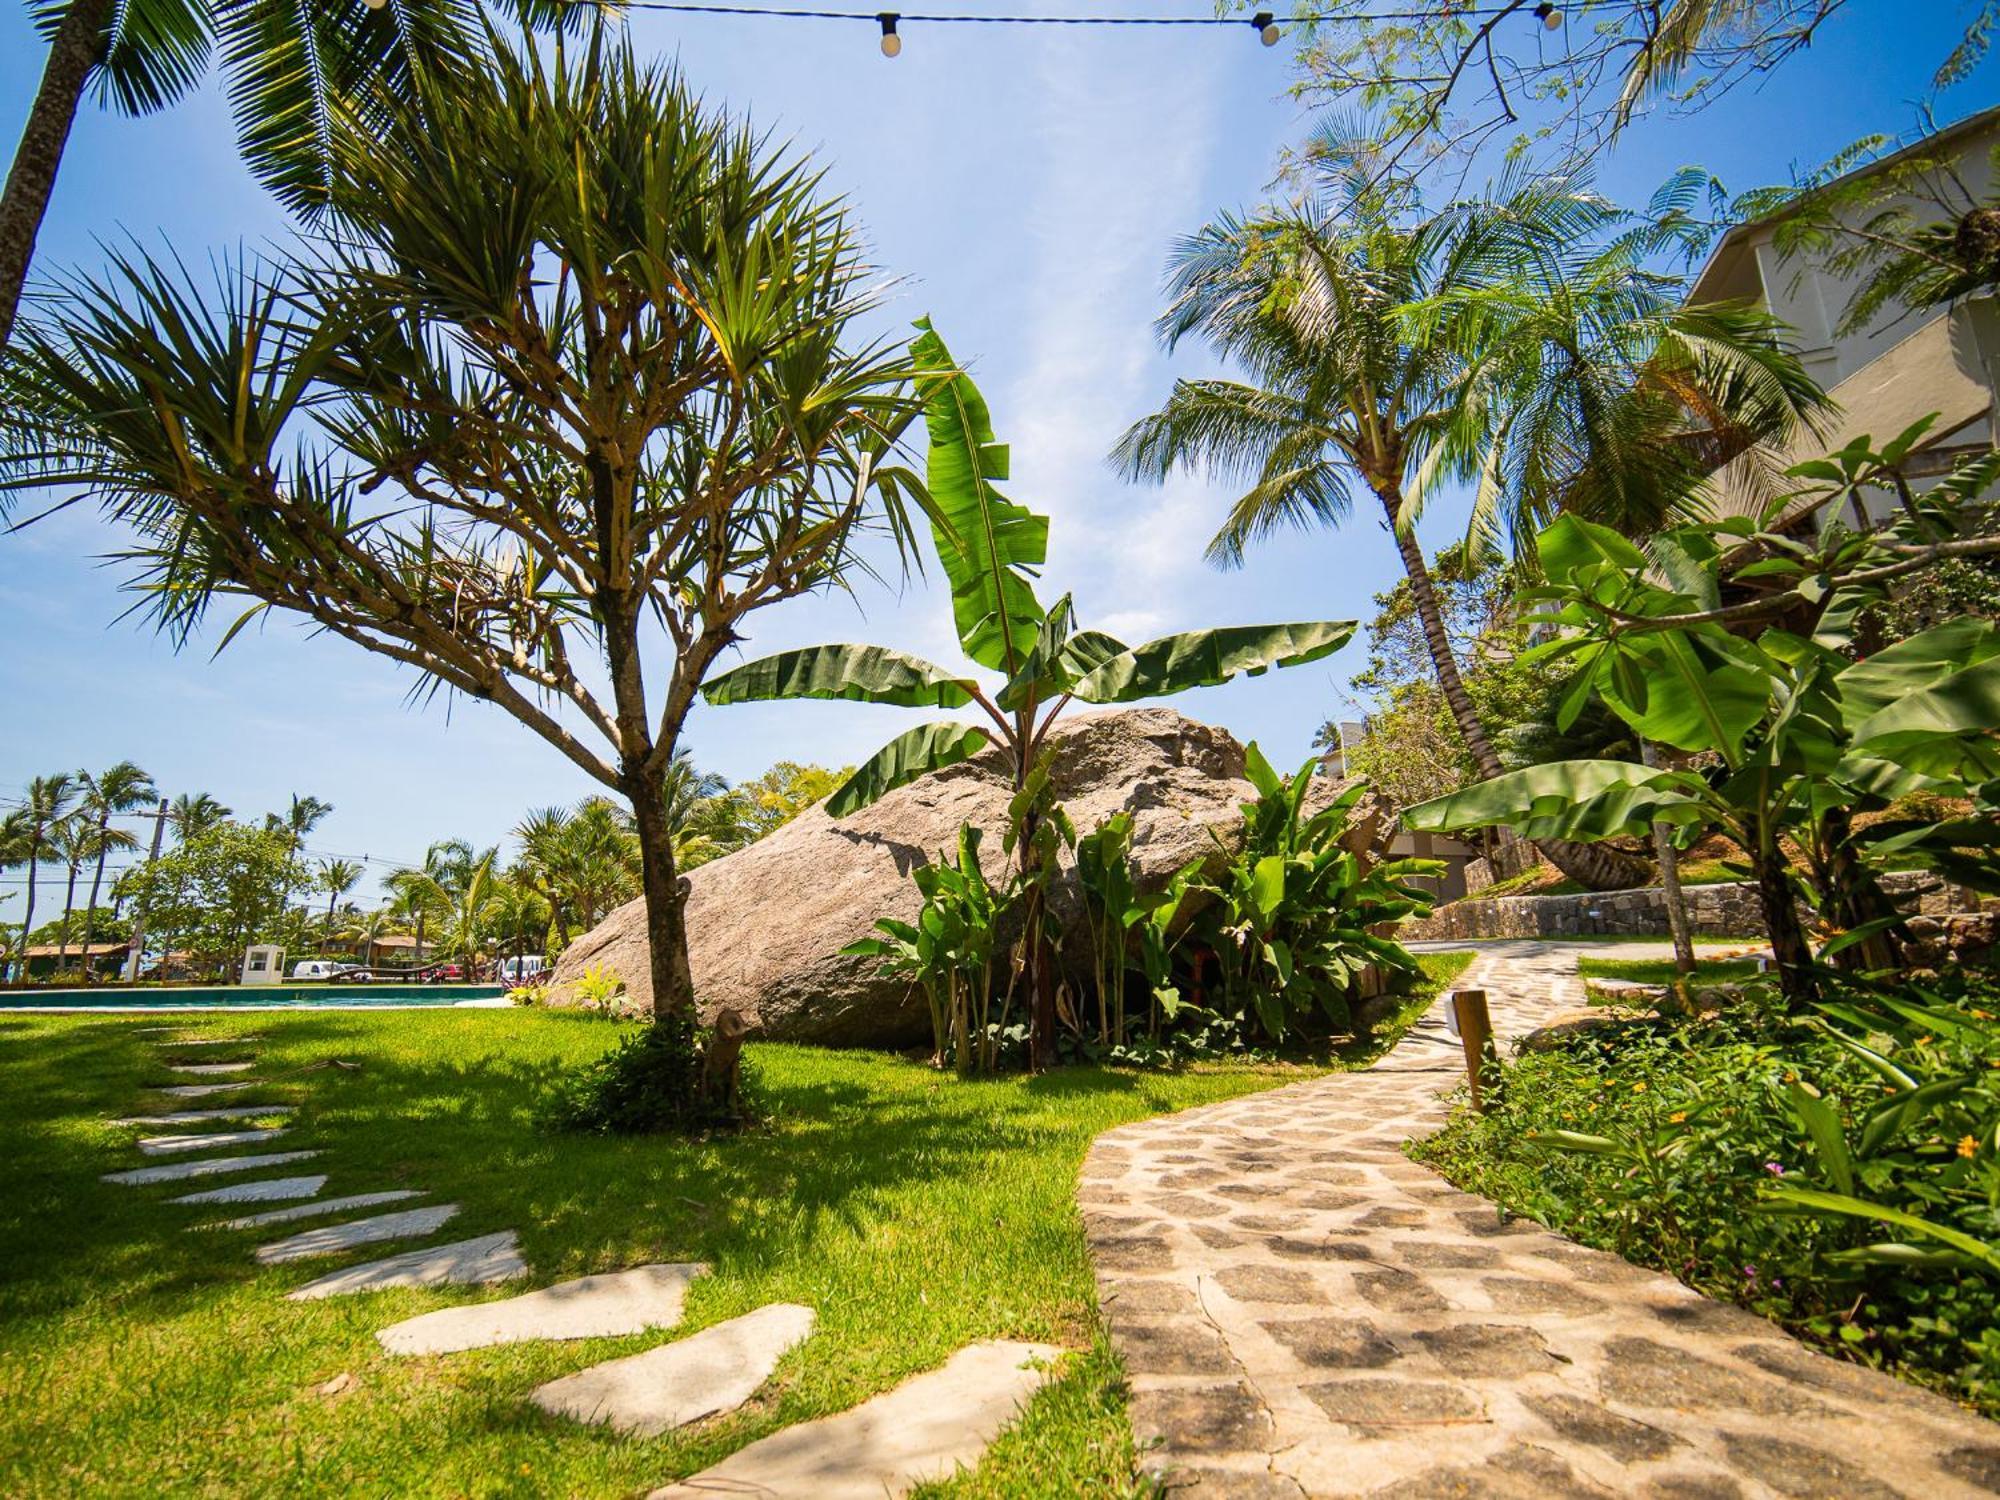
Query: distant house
[46, 959]
[397, 948]
[1901, 364]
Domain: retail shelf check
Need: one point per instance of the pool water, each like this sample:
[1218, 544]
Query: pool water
[253, 997]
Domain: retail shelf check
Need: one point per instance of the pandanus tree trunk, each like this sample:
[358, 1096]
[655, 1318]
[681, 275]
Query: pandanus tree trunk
[32, 178]
[1595, 866]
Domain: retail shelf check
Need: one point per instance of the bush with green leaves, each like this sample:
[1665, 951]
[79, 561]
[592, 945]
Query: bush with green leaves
[1294, 914]
[1838, 1172]
[651, 1083]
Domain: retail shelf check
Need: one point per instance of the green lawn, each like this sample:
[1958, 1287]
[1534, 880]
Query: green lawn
[1662, 971]
[915, 1212]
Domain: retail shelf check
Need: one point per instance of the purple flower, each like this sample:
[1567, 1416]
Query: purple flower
[1774, 1169]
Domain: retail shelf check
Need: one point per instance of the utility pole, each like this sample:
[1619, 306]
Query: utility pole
[135, 948]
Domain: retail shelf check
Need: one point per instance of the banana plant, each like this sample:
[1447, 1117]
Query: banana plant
[990, 550]
[1766, 688]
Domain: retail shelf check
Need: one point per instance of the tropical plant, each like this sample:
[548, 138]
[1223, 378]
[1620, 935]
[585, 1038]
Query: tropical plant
[598, 339]
[707, 821]
[582, 862]
[300, 817]
[1799, 735]
[218, 890]
[122, 789]
[1395, 347]
[295, 73]
[600, 991]
[949, 953]
[988, 548]
[454, 885]
[1295, 913]
[771, 800]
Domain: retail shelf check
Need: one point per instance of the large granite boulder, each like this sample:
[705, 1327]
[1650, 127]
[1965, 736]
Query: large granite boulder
[766, 924]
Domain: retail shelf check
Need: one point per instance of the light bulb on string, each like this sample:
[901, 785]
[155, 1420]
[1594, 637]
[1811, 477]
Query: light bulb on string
[891, 43]
[1549, 15]
[1267, 28]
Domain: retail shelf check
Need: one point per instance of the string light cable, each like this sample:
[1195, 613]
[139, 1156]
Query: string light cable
[1267, 26]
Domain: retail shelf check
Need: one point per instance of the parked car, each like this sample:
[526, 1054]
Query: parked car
[523, 970]
[318, 968]
[440, 974]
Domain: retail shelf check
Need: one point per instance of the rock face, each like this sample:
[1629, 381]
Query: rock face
[766, 924]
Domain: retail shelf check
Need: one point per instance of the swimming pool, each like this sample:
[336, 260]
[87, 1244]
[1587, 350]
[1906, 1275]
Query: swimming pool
[255, 997]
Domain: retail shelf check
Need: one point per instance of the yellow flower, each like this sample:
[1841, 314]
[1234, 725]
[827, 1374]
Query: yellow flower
[1639, 1088]
[1968, 1147]
[1677, 1116]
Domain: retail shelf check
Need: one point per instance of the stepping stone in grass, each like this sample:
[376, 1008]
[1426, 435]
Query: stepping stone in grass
[208, 1166]
[707, 1373]
[212, 1041]
[168, 1145]
[590, 1307]
[235, 1067]
[196, 1116]
[313, 1210]
[270, 1190]
[331, 1239]
[924, 1429]
[491, 1257]
[203, 1090]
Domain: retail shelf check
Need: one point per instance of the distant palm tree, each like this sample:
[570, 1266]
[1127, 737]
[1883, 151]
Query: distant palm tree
[583, 861]
[14, 830]
[72, 841]
[122, 789]
[706, 819]
[294, 70]
[43, 811]
[301, 818]
[337, 877]
[455, 884]
[193, 813]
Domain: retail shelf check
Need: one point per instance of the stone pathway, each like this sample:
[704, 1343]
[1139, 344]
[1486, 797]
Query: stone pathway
[1304, 1311]
[923, 1429]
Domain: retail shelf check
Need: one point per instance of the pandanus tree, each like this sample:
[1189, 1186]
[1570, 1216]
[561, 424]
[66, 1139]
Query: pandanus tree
[989, 548]
[1392, 349]
[572, 375]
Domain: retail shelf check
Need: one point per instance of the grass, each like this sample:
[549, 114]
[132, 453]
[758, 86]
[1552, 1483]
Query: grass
[916, 1213]
[1662, 971]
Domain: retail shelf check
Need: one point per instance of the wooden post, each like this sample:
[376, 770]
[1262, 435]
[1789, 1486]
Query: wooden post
[1475, 1030]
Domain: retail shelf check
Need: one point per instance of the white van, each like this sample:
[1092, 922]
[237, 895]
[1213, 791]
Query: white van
[317, 968]
[523, 970]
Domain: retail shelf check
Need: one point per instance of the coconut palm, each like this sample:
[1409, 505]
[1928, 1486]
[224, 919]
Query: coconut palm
[337, 877]
[192, 813]
[122, 789]
[72, 842]
[455, 885]
[43, 811]
[1391, 349]
[293, 68]
[300, 817]
[15, 829]
[706, 818]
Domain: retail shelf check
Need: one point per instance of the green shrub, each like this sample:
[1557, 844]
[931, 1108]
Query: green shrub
[1838, 1173]
[651, 1083]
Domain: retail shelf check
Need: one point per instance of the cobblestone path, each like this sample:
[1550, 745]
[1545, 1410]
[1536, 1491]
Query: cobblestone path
[1304, 1311]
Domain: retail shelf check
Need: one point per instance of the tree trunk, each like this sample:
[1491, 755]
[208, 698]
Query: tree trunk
[96, 882]
[1595, 866]
[1789, 948]
[1854, 898]
[666, 904]
[28, 916]
[32, 178]
[1670, 878]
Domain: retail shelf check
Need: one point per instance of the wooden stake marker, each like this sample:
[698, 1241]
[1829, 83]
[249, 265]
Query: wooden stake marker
[1474, 1026]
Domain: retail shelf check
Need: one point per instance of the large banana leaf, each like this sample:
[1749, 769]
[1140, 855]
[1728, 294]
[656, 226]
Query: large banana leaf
[928, 747]
[1912, 665]
[1058, 660]
[1570, 799]
[1203, 658]
[864, 674]
[987, 545]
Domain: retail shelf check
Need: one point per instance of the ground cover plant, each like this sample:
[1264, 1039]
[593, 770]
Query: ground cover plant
[914, 1212]
[1716, 970]
[1837, 1171]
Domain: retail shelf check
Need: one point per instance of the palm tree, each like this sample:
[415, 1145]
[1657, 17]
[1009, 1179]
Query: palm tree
[1388, 346]
[299, 819]
[72, 841]
[122, 789]
[337, 877]
[706, 819]
[44, 810]
[193, 813]
[455, 882]
[14, 843]
[294, 72]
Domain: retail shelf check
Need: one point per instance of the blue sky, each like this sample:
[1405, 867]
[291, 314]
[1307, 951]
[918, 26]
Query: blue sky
[1025, 183]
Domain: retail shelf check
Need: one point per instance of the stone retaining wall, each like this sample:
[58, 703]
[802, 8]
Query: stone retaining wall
[1727, 910]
